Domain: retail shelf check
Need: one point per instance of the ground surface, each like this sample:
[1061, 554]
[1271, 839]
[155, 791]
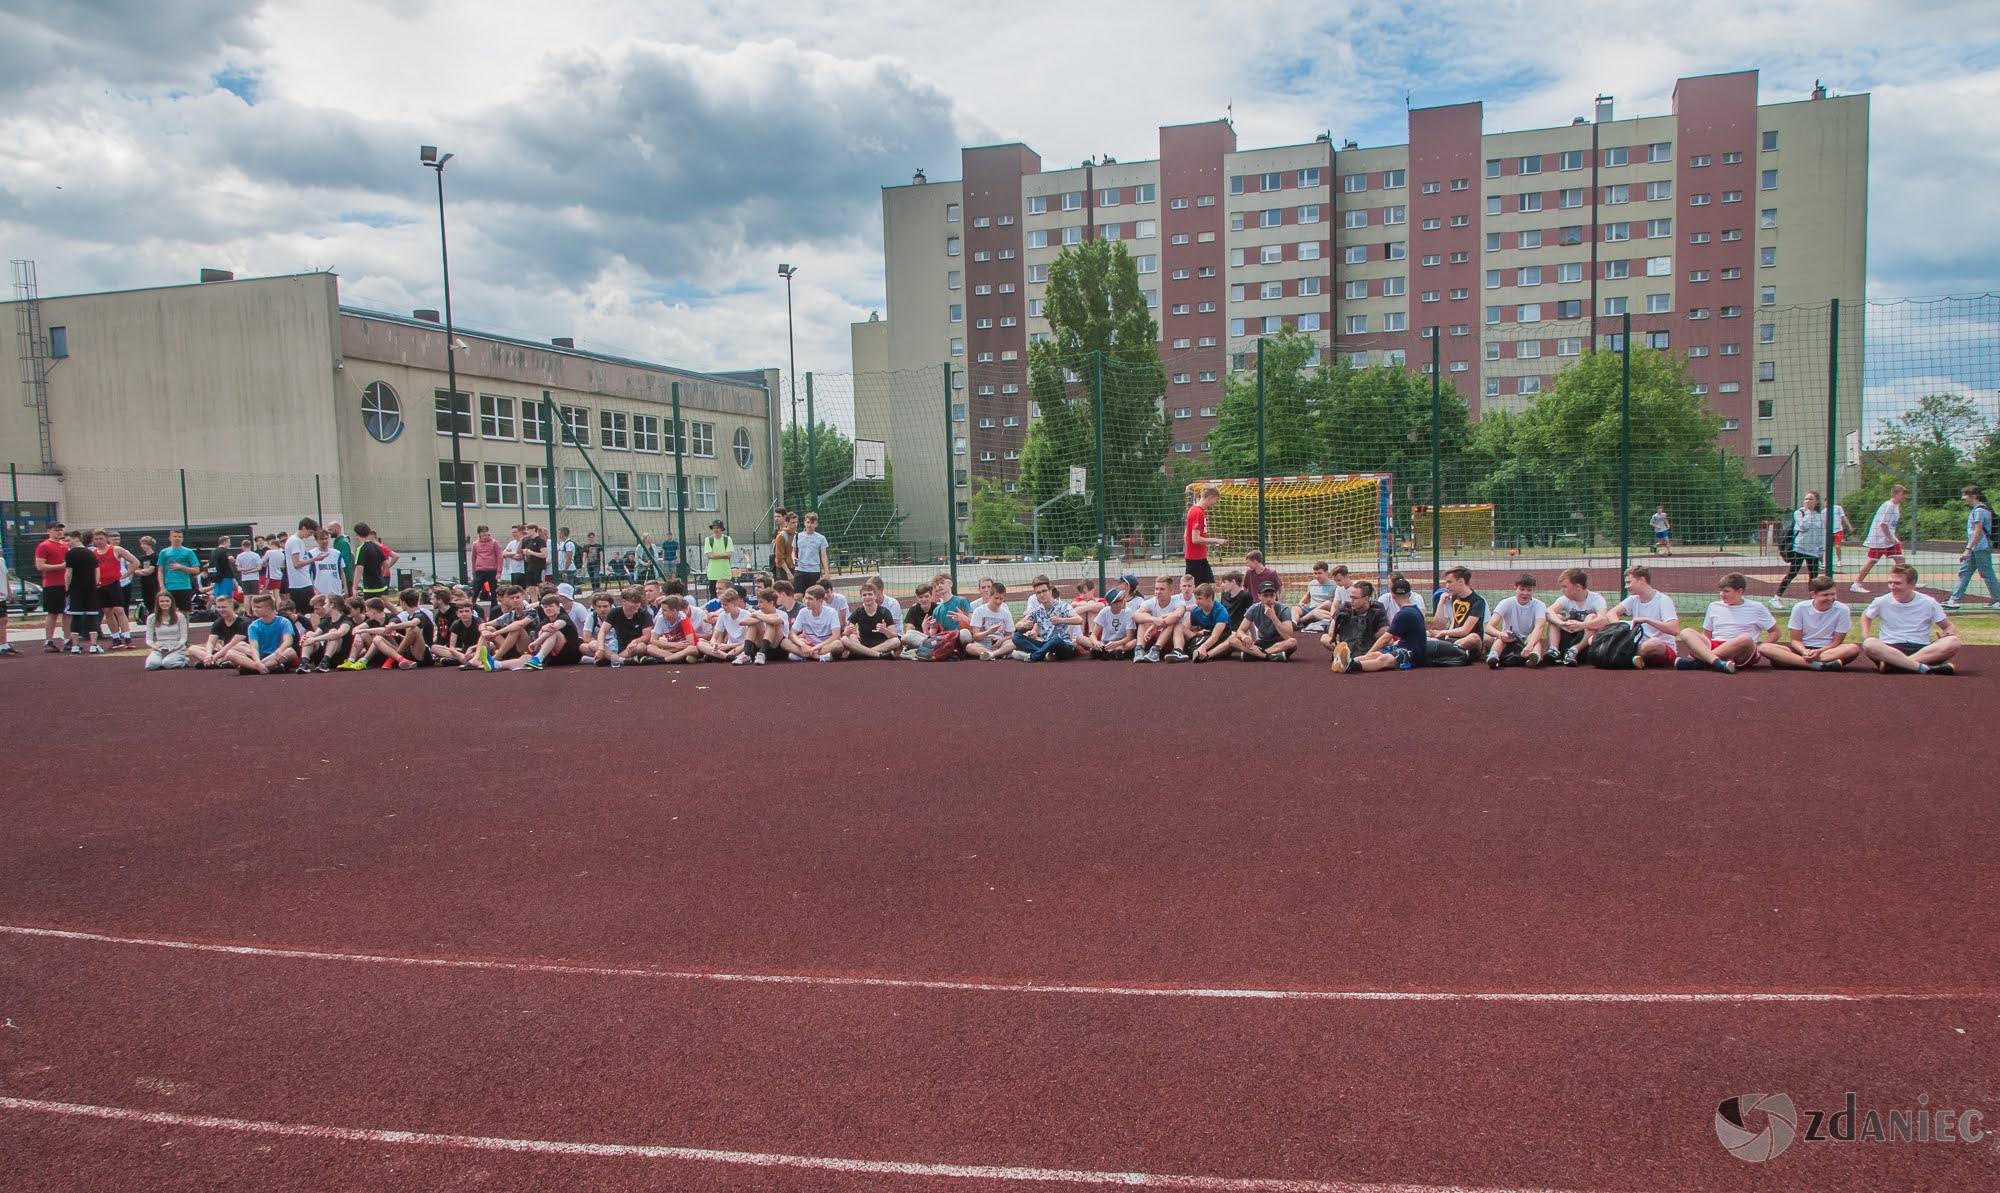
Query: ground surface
[1231, 922]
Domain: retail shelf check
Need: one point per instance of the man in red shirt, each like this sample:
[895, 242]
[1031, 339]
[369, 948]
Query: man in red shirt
[55, 585]
[1197, 541]
[486, 570]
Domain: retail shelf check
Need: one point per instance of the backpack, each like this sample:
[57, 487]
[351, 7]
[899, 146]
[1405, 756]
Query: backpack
[938, 647]
[1439, 653]
[1615, 646]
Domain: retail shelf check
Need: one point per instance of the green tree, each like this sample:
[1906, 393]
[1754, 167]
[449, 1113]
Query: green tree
[996, 526]
[1099, 329]
[1939, 443]
[1295, 397]
[861, 519]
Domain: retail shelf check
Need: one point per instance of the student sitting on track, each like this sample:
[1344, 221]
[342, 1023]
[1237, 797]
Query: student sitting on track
[1730, 634]
[557, 642]
[992, 635]
[224, 632]
[269, 645]
[1109, 633]
[917, 621]
[1234, 597]
[1518, 627]
[816, 629]
[325, 646]
[1575, 617]
[1255, 576]
[1204, 633]
[1404, 645]
[1897, 626]
[1046, 630]
[729, 639]
[1358, 626]
[377, 639]
[1156, 621]
[871, 629]
[1266, 634]
[166, 633]
[632, 625]
[769, 623]
[1325, 593]
[1460, 617]
[1818, 629]
[674, 639]
[507, 634]
[460, 637]
[1653, 616]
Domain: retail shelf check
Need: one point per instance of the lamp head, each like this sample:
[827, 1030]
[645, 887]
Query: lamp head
[427, 154]
[786, 271]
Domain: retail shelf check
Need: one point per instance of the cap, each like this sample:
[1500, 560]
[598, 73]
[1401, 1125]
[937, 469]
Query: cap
[1113, 595]
[568, 590]
[1268, 587]
[1130, 580]
[715, 525]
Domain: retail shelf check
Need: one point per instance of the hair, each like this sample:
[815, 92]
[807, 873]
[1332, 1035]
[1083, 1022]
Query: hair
[1895, 489]
[1038, 581]
[1905, 570]
[600, 596]
[146, 540]
[308, 524]
[674, 588]
[551, 598]
[784, 587]
[483, 530]
[507, 590]
[1459, 571]
[362, 529]
[943, 578]
[1820, 583]
[1254, 555]
[1736, 580]
[733, 595]
[922, 590]
[1205, 590]
[1210, 491]
[1977, 494]
[1365, 587]
[1169, 580]
[172, 610]
[782, 512]
[634, 594]
[816, 593]
[265, 600]
[1575, 576]
[377, 605]
[812, 515]
[1640, 571]
[998, 589]
[1525, 580]
[408, 596]
[1232, 576]
[766, 596]
[674, 604]
[1320, 566]
[1086, 585]
[1398, 585]
[1340, 569]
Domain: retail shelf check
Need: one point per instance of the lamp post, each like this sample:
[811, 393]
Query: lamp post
[788, 272]
[429, 157]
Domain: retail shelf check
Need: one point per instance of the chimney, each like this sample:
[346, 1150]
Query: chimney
[216, 275]
[564, 342]
[427, 315]
[1819, 89]
[1604, 109]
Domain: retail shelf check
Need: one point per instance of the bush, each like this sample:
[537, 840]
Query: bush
[1072, 554]
[1569, 544]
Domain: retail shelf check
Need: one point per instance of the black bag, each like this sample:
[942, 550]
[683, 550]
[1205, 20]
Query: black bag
[1439, 653]
[1615, 646]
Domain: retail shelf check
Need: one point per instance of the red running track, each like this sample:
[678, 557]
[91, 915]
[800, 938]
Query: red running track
[1243, 826]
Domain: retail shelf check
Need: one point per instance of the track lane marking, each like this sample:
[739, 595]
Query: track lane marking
[702, 1155]
[835, 981]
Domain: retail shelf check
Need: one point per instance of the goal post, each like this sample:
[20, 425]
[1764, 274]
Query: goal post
[1345, 517]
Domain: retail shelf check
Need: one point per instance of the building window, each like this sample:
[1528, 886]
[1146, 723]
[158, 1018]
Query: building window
[613, 432]
[646, 433]
[1614, 195]
[1614, 306]
[1461, 221]
[1461, 184]
[1395, 250]
[453, 415]
[1617, 232]
[1767, 218]
[1613, 270]
[1354, 254]
[1072, 201]
[1494, 204]
[1768, 181]
[1147, 192]
[1270, 254]
[1660, 151]
[503, 484]
[1698, 200]
[1531, 164]
[1656, 191]
[701, 440]
[1767, 333]
[1354, 184]
[1357, 218]
[1309, 177]
[455, 484]
[1767, 257]
[951, 246]
[1072, 234]
[1658, 228]
[1620, 156]
[1395, 215]
[1571, 159]
[575, 425]
[381, 412]
[534, 422]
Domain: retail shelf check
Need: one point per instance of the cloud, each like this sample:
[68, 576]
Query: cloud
[122, 44]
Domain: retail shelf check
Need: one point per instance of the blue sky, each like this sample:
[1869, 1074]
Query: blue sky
[631, 173]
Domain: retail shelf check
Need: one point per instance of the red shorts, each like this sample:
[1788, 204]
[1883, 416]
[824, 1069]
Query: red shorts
[1839, 537]
[1895, 549]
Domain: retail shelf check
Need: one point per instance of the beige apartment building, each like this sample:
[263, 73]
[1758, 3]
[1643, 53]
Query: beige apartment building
[263, 400]
[1724, 229]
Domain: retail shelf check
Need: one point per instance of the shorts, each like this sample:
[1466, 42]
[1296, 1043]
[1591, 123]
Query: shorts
[1661, 535]
[1202, 573]
[183, 598]
[110, 596]
[1908, 648]
[1402, 657]
[1839, 537]
[1893, 549]
[55, 600]
[226, 588]
[82, 625]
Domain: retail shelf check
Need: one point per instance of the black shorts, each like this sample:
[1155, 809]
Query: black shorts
[1202, 573]
[569, 656]
[1908, 648]
[804, 580]
[84, 624]
[183, 598]
[110, 596]
[55, 600]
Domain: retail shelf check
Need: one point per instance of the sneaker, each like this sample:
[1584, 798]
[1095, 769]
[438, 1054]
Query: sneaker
[1995, 606]
[1725, 666]
[96, 649]
[602, 661]
[362, 665]
[794, 656]
[51, 646]
[390, 665]
[534, 662]
[1200, 657]
[1139, 656]
[615, 662]
[1942, 669]
[1573, 656]
[1343, 657]
[759, 660]
[1152, 654]
[1778, 603]
[1175, 656]
[1277, 656]
[825, 658]
[1638, 662]
[1835, 665]
[1493, 659]
[76, 649]
[909, 652]
[323, 668]
[1534, 657]
[1857, 588]
[1687, 664]
[1951, 605]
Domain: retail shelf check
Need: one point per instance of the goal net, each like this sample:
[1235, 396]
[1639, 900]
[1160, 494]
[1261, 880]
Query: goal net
[1460, 527]
[1344, 518]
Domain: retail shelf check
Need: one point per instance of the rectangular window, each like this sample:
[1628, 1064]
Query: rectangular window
[453, 414]
[1038, 273]
[1395, 287]
[535, 486]
[1658, 228]
[1357, 325]
[983, 255]
[1354, 184]
[503, 485]
[1532, 164]
[1614, 306]
[1569, 271]
[1308, 250]
[1768, 180]
[1107, 196]
[1659, 304]
[1273, 324]
[1530, 202]
[1660, 151]
[1307, 322]
[1731, 234]
[1492, 279]
[1569, 346]
[1528, 350]
[1767, 333]
[1270, 254]
[496, 417]
[1271, 218]
[1038, 238]
[1433, 224]
[1430, 259]
[951, 246]
[1698, 313]
[1620, 156]
[1732, 196]
[701, 439]
[1767, 218]
[1148, 263]
[1492, 316]
[1531, 239]
[1614, 195]
[646, 433]
[1145, 230]
[1698, 200]
[1617, 269]
[1270, 182]
[1394, 179]
[456, 484]
[704, 495]
[1147, 192]
[1395, 215]
[1433, 296]
[1768, 296]
[1461, 184]
[1659, 190]
[534, 422]
[1528, 312]
[1394, 321]
[1570, 309]
[1461, 293]
[1072, 234]
[1764, 447]
[575, 424]
[1617, 232]
[1572, 159]
[1072, 200]
[613, 431]
[1357, 218]
[1271, 290]
[1461, 221]
[1354, 254]
[1528, 275]
[1767, 257]
[1570, 197]
[1493, 167]
[1395, 250]
[646, 492]
[578, 489]
[1659, 267]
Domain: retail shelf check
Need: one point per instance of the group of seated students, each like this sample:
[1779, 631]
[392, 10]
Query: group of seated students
[1182, 621]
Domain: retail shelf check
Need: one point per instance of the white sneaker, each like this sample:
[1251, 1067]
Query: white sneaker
[825, 658]
[96, 649]
[1857, 588]
[794, 657]
[1777, 602]
[759, 660]
[742, 659]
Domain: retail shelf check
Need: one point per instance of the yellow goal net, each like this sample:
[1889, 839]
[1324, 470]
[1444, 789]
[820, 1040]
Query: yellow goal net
[1344, 517]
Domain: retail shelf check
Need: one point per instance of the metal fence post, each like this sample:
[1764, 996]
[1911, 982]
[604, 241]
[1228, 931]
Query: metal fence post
[184, 501]
[1831, 501]
[1103, 493]
[812, 446]
[950, 478]
[1625, 456]
[680, 487]
[1262, 534]
[549, 466]
[1437, 490]
[430, 524]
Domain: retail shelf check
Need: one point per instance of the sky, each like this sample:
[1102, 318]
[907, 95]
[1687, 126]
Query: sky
[630, 172]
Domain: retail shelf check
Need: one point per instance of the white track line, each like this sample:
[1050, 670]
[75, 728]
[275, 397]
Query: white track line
[635, 1151]
[825, 980]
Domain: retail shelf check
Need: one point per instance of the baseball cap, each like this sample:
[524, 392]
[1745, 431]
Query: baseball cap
[1130, 580]
[1268, 587]
[1114, 595]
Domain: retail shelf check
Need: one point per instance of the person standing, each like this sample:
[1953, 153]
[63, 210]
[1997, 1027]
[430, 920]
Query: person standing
[717, 550]
[486, 560]
[565, 557]
[1883, 541]
[236, 572]
[1195, 539]
[112, 564]
[783, 560]
[6, 599]
[301, 553]
[147, 573]
[82, 600]
[812, 550]
[345, 549]
[593, 557]
[179, 570]
[1978, 553]
[1807, 548]
[53, 571]
[373, 563]
[1663, 531]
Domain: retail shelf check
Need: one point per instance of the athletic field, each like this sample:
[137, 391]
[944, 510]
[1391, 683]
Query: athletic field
[991, 926]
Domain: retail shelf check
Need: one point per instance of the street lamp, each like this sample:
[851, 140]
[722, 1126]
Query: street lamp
[428, 156]
[788, 272]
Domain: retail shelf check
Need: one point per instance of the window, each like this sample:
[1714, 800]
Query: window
[1571, 159]
[1659, 228]
[1697, 238]
[1460, 294]
[1614, 306]
[1270, 254]
[534, 422]
[957, 346]
[1732, 196]
[1659, 304]
[1461, 184]
[1433, 224]
[1395, 215]
[381, 412]
[1659, 267]
[1492, 387]
[646, 491]
[575, 424]
[1308, 250]
[1148, 263]
[1038, 238]
[1493, 167]
[1007, 320]
[1354, 184]
[1110, 231]
[1663, 189]
[1006, 287]
[1698, 313]
[496, 417]
[951, 213]
[1528, 350]
[1204, 201]
[1768, 180]
[1271, 217]
[1763, 447]
[951, 246]
[1236, 327]
[1461, 221]
[1732, 350]
[704, 494]
[981, 222]
[1038, 273]
[455, 484]
[1395, 250]
[1617, 157]
[1357, 325]
[1569, 271]
[1394, 321]
[1182, 411]
[1767, 333]
[1072, 201]
[1698, 200]
[1271, 290]
[1206, 271]
[1698, 350]
[983, 255]
[1698, 160]
[1270, 182]
[1767, 257]
[1569, 346]
[1177, 204]
[1494, 204]
[646, 433]
[1728, 387]
[1570, 197]
[1147, 192]
[1767, 218]
[1529, 312]
[1145, 230]
[1660, 151]
[1394, 179]
[1308, 287]
[1614, 195]
[1461, 257]
[1570, 309]
[1432, 188]
[1357, 218]
[1460, 366]
[1273, 324]
[1237, 183]
[1492, 315]
[982, 324]
[1532, 164]
[1767, 371]
[1005, 221]
[1354, 254]
[1038, 204]
[1432, 295]
[578, 489]
[1531, 239]
[1493, 350]
[535, 486]
[1732, 312]
[1395, 287]
[701, 439]
[1767, 296]
[1614, 270]
[1770, 140]
[453, 414]
[1528, 275]
[1308, 214]
[1729, 234]
[1073, 234]
[955, 312]
[1107, 196]
[1617, 232]
[503, 484]
[613, 430]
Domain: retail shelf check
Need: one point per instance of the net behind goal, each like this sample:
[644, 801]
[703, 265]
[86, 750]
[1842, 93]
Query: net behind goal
[1344, 518]
[1462, 527]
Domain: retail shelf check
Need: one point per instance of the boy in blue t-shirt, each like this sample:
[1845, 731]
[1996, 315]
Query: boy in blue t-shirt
[269, 645]
[1203, 633]
[1408, 636]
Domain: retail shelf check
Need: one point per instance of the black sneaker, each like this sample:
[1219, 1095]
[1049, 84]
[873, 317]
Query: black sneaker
[1725, 666]
[1493, 661]
[1572, 656]
[1687, 664]
[1943, 669]
[1835, 665]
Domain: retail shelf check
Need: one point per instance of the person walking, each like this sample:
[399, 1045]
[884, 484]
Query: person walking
[717, 550]
[1978, 553]
[1806, 548]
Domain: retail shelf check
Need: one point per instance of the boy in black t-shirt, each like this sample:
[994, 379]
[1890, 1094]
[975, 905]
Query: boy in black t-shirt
[534, 555]
[871, 631]
[85, 601]
[1234, 597]
[1357, 626]
[1460, 618]
[227, 627]
[557, 643]
[459, 637]
[632, 622]
[372, 563]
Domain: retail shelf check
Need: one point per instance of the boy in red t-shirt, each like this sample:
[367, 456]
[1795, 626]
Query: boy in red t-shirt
[1197, 541]
[53, 572]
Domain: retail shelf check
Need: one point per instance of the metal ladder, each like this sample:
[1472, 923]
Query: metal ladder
[34, 355]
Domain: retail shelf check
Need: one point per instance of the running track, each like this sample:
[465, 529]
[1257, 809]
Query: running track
[1110, 924]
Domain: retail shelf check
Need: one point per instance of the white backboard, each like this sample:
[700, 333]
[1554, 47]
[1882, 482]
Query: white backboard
[1078, 477]
[871, 459]
[1853, 448]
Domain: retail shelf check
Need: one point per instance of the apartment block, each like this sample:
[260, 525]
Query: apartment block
[1519, 250]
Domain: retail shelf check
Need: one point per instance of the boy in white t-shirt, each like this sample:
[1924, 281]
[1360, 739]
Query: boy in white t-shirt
[1575, 617]
[1154, 621]
[1326, 592]
[991, 635]
[1897, 628]
[725, 641]
[1653, 618]
[1731, 632]
[1111, 632]
[1517, 627]
[1882, 541]
[1818, 630]
[815, 629]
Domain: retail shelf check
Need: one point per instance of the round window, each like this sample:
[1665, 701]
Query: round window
[742, 443]
[381, 412]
